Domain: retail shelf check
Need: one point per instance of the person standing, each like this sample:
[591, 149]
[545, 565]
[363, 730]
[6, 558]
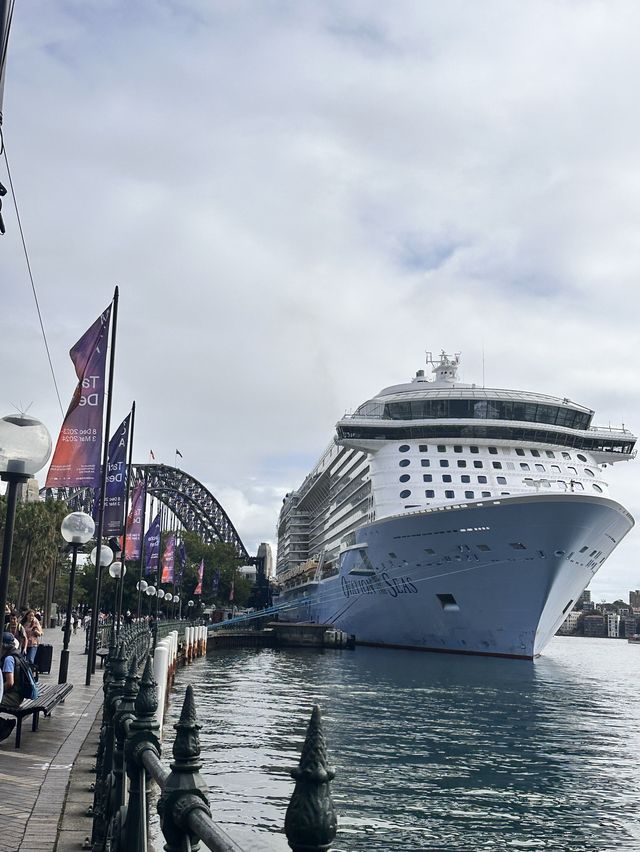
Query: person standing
[14, 627]
[33, 629]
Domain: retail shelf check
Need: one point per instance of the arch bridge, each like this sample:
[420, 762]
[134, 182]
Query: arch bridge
[193, 505]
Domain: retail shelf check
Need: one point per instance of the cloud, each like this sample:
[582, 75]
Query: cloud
[297, 199]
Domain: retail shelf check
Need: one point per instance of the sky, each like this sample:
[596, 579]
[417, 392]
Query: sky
[298, 199]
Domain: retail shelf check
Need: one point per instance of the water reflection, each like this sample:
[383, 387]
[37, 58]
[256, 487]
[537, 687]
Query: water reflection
[431, 751]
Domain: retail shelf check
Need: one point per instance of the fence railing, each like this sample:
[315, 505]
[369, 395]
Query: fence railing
[129, 762]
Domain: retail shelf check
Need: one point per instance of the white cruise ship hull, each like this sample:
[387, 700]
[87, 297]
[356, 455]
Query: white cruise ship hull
[491, 577]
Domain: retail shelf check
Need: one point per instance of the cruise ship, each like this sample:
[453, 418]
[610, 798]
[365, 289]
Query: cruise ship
[452, 517]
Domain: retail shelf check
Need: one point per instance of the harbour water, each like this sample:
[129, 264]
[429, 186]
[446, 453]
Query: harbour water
[432, 752]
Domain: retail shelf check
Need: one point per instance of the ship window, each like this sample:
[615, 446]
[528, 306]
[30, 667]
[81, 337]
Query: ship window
[429, 550]
[444, 462]
[589, 472]
[539, 467]
[405, 493]
[497, 465]
[550, 454]
[404, 462]
[581, 457]
[462, 463]
[442, 448]
[449, 495]
[566, 455]
[425, 462]
[478, 463]
[486, 494]
[571, 469]
[483, 547]
[392, 555]
[555, 468]
[567, 606]
[505, 493]
[474, 450]
[577, 486]
[559, 553]
[446, 477]
[429, 493]
[465, 478]
[528, 480]
[545, 483]
[426, 477]
[448, 602]
[502, 480]
[493, 451]
[405, 477]
[517, 545]
[562, 485]
[404, 448]
[584, 549]
[535, 453]
[519, 451]
[457, 448]
[423, 448]
[524, 466]
[482, 480]
[597, 488]
[469, 495]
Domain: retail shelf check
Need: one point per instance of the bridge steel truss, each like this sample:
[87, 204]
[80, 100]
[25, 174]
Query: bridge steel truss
[195, 507]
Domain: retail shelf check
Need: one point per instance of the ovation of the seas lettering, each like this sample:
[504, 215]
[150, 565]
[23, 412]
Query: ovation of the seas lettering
[386, 585]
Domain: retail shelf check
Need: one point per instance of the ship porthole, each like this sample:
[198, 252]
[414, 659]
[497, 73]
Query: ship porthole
[559, 552]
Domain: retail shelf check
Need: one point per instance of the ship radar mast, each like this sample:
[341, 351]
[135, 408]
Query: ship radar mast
[444, 367]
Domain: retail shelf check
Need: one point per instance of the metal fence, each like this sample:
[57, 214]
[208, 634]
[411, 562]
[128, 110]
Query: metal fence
[129, 761]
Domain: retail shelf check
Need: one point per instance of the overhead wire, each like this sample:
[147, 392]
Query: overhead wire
[3, 149]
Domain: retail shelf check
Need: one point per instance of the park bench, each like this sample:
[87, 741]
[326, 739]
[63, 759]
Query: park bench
[102, 653]
[49, 697]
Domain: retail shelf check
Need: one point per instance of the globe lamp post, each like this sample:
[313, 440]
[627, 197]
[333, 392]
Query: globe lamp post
[167, 599]
[117, 570]
[25, 447]
[190, 605]
[77, 529]
[159, 597]
[106, 558]
[141, 586]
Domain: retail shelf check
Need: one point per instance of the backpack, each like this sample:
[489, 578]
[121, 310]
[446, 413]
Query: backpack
[24, 680]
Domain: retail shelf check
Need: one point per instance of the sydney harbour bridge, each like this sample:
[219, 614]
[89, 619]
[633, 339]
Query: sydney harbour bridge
[193, 505]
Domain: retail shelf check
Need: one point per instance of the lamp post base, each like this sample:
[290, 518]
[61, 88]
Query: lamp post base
[64, 666]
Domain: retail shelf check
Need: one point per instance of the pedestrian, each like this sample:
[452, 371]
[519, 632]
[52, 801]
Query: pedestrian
[17, 630]
[34, 631]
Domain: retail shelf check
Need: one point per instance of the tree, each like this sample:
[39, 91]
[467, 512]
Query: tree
[218, 557]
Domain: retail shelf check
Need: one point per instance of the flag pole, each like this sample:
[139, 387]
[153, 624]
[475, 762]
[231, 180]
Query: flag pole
[126, 515]
[142, 543]
[91, 657]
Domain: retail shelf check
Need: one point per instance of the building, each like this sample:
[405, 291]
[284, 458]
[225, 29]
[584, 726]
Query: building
[594, 625]
[613, 625]
[630, 625]
[584, 600]
[266, 554]
[570, 625]
[634, 599]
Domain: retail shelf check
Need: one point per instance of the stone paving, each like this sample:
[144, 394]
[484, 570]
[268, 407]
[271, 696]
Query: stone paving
[34, 779]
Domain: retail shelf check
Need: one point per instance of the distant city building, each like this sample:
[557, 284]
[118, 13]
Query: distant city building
[587, 606]
[585, 598]
[613, 625]
[266, 553]
[630, 625]
[248, 572]
[594, 625]
[634, 599]
[570, 625]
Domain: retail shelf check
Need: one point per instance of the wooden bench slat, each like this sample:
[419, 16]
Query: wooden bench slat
[49, 697]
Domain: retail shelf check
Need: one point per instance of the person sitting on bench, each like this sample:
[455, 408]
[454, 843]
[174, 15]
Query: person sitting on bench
[11, 697]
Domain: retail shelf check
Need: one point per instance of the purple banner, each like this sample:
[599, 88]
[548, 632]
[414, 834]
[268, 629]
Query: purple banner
[167, 559]
[182, 563]
[134, 522]
[215, 583]
[76, 460]
[152, 547]
[198, 588]
[114, 501]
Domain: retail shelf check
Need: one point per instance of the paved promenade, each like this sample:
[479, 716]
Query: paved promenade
[34, 778]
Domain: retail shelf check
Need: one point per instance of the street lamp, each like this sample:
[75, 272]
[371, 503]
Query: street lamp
[77, 529]
[190, 605]
[159, 597]
[117, 570]
[106, 558]
[25, 447]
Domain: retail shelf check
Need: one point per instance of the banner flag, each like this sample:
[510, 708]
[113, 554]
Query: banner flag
[76, 460]
[198, 588]
[232, 591]
[114, 501]
[152, 546]
[215, 583]
[134, 522]
[182, 563]
[168, 559]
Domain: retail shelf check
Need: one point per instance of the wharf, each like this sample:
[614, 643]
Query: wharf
[35, 778]
[282, 634]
